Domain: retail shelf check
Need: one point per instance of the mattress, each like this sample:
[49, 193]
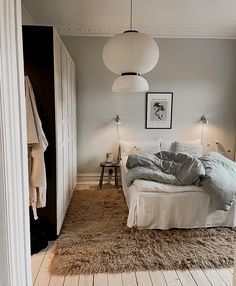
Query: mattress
[154, 205]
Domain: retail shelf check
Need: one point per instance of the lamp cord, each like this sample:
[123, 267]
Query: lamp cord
[131, 14]
[202, 135]
[118, 133]
[118, 140]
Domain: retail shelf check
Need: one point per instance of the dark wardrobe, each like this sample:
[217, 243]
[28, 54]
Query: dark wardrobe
[52, 74]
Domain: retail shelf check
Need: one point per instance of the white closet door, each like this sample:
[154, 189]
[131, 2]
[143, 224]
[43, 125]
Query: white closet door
[72, 139]
[70, 153]
[65, 100]
[66, 125]
[59, 132]
[74, 129]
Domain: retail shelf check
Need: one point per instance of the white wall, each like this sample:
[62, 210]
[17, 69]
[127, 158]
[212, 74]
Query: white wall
[200, 73]
[27, 18]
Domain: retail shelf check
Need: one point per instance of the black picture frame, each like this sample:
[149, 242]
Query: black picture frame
[159, 118]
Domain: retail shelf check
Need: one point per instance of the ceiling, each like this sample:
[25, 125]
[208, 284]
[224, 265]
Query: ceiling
[159, 18]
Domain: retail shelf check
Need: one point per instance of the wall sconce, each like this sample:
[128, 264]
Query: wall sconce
[118, 122]
[117, 119]
[203, 119]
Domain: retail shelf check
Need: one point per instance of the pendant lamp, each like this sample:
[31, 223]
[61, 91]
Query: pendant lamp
[130, 54]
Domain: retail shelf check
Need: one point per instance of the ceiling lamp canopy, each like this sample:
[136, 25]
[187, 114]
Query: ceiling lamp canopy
[130, 54]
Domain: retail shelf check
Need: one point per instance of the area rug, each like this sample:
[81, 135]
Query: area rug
[95, 239]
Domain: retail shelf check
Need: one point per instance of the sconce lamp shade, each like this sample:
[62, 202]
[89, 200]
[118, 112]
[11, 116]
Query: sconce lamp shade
[130, 83]
[130, 52]
[117, 119]
[203, 119]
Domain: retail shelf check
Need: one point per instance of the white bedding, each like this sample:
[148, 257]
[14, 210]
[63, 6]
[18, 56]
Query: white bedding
[154, 205]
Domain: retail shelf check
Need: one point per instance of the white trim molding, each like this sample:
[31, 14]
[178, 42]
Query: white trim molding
[91, 177]
[14, 212]
[88, 177]
[27, 18]
[105, 31]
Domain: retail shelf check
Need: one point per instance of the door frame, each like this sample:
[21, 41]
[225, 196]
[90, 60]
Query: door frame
[15, 261]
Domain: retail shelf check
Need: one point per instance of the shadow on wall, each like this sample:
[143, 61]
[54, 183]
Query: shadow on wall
[89, 162]
[102, 140]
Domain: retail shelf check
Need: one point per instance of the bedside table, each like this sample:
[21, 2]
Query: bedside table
[113, 165]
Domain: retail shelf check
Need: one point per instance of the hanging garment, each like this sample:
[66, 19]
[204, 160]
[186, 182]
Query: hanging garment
[37, 144]
[32, 135]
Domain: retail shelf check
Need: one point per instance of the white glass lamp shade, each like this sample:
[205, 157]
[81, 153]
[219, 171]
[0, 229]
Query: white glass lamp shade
[130, 52]
[130, 83]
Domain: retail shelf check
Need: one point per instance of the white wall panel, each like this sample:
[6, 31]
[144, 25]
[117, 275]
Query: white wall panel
[14, 214]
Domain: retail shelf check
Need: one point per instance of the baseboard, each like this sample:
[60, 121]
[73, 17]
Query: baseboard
[90, 177]
[87, 178]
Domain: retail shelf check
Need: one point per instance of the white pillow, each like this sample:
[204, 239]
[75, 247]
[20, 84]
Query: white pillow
[193, 148]
[167, 145]
[146, 150]
[140, 147]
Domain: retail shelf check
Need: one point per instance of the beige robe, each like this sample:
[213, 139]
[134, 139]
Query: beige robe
[37, 144]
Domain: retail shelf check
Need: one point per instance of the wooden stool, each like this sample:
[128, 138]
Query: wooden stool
[113, 165]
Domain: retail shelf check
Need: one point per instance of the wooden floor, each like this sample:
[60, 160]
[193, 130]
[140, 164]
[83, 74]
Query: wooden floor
[41, 276]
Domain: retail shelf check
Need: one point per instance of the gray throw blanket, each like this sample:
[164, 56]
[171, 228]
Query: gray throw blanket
[165, 167]
[220, 180]
[216, 173]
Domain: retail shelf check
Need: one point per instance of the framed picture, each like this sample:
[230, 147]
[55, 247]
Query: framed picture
[159, 110]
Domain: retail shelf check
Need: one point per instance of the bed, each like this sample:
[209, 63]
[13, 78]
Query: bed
[154, 205]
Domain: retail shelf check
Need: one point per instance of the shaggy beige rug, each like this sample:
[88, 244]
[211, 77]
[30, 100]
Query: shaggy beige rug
[95, 239]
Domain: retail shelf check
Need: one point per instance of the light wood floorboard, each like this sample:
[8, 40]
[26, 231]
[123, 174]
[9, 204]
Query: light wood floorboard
[71, 280]
[200, 278]
[129, 279]
[100, 279]
[43, 276]
[186, 278]
[37, 260]
[226, 276]
[157, 278]
[172, 278]
[114, 280]
[143, 278]
[214, 277]
[57, 281]
[86, 280]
